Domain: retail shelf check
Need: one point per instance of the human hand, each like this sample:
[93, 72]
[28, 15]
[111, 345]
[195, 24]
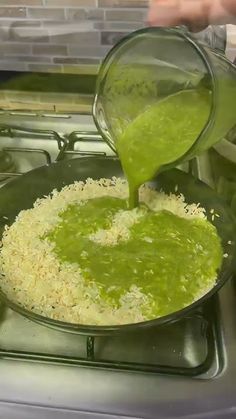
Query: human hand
[196, 14]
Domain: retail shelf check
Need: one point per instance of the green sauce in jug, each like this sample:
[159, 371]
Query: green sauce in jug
[161, 135]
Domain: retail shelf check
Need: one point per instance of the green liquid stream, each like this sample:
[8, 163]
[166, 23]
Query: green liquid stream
[161, 135]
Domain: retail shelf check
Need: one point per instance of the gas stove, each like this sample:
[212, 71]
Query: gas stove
[182, 370]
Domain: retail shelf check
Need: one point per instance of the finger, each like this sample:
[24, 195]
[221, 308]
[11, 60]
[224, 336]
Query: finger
[192, 13]
[230, 6]
[164, 12]
[223, 12]
[195, 14]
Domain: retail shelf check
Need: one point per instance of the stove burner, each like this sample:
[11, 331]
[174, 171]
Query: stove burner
[190, 347]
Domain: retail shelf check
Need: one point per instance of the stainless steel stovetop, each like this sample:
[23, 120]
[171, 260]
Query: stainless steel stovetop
[184, 370]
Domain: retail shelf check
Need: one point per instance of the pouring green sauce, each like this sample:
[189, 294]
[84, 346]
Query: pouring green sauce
[161, 135]
[172, 260]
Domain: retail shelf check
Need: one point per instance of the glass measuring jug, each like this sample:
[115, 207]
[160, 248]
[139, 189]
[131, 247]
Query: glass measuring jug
[152, 64]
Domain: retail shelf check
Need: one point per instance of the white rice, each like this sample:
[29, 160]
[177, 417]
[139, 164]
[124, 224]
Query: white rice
[36, 279]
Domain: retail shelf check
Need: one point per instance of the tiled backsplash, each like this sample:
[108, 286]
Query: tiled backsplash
[68, 35]
[64, 35]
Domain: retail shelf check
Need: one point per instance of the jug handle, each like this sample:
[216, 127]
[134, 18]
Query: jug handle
[213, 36]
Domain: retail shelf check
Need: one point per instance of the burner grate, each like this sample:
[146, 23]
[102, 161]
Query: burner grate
[67, 147]
[190, 347]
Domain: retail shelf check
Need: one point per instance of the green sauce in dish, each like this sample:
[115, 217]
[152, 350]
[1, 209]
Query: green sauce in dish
[172, 260]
